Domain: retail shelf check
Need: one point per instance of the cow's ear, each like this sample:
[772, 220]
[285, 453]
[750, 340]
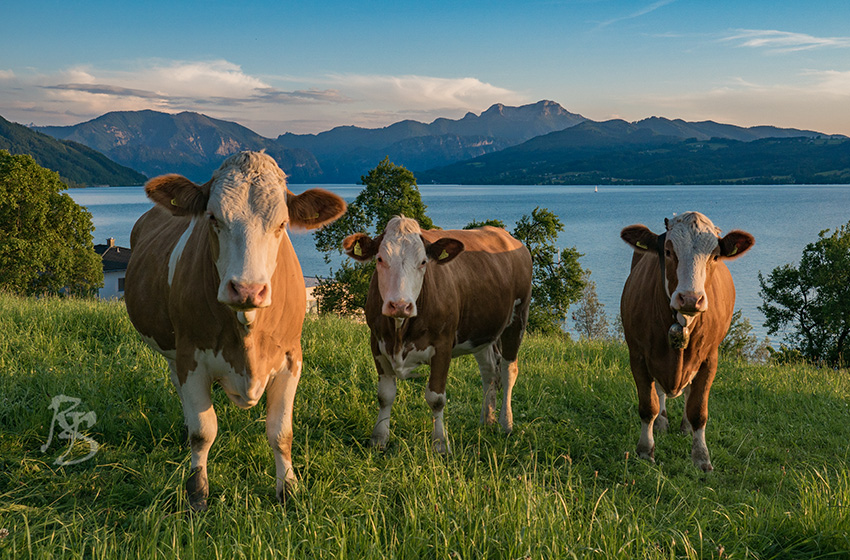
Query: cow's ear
[735, 243]
[443, 250]
[313, 208]
[639, 237]
[178, 195]
[361, 247]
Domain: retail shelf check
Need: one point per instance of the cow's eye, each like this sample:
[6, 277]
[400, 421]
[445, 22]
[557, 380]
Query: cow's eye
[213, 221]
[668, 253]
[380, 260]
[424, 262]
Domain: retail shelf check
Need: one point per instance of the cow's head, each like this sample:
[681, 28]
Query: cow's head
[402, 256]
[247, 207]
[690, 247]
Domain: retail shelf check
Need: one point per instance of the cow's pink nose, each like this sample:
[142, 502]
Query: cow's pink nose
[400, 309]
[248, 295]
[690, 302]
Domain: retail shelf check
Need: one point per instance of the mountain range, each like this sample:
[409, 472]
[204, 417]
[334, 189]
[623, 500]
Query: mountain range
[76, 163]
[536, 143]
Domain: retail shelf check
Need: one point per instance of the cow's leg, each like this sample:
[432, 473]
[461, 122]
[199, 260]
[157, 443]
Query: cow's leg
[488, 364]
[697, 411]
[509, 375]
[685, 426]
[172, 366]
[509, 342]
[280, 400]
[647, 407]
[202, 426]
[386, 397]
[435, 396]
[662, 422]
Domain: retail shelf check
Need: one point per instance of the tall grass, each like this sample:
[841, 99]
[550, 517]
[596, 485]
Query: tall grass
[565, 484]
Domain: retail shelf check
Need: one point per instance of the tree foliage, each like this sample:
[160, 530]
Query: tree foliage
[557, 277]
[389, 190]
[589, 318]
[45, 237]
[739, 342]
[810, 303]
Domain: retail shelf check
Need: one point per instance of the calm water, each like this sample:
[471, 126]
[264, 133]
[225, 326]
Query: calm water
[783, 220]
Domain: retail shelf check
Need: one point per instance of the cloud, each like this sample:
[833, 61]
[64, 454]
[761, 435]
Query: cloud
[7, 75]
[104, 89]
[642, 12]
[425, 93]
[784, 41]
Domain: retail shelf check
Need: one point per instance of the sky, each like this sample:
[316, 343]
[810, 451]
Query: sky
[308, 66]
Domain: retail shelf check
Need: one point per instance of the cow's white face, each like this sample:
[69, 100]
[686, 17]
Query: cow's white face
[690, 249]
[247, 207]
[402, 256]
[247, 215]
[400, 266]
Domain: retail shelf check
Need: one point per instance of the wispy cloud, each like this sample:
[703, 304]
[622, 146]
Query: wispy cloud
[6, 75]
[641, 12]
[784, 41]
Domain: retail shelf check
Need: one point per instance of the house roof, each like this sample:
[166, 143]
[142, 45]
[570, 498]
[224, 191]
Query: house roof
[115, 258]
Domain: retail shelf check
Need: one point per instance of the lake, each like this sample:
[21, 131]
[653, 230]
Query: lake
[783, 219]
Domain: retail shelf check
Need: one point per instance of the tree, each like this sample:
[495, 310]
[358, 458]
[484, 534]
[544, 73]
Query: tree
[739, 342]
[45, 237]
[475, 224]
[557, 278]
[813, 299]
[389, 190]
[589, 317]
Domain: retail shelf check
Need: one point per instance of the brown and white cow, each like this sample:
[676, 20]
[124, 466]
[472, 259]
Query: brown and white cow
[214, 285]
[440, 294]
[676, 307]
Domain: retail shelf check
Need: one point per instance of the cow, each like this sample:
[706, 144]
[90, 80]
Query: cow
[214, 285]
[440, 294]
[676, 307]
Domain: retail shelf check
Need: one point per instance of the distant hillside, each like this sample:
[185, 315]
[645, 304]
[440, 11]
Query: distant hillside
[76, 164]
[659, 151]
[191, 144]
[345, 153]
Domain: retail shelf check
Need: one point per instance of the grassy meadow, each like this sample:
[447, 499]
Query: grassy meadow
[565, 484]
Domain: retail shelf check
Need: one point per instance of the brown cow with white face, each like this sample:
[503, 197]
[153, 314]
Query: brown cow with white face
[439, 294]
[676, 307]
[214, 285]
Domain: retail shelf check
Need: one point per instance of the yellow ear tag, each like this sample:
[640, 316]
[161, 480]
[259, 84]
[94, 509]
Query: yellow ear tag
[443, 255]
[174, 202]
[641, 245]
[357, 250]
[734, 251]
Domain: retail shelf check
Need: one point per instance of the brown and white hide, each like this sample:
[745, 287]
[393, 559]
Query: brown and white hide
[676, 307]
[440, 294]
[214, 285]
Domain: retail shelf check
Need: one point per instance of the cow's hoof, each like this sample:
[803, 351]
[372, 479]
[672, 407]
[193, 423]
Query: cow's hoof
[378, 444]
[286, 490]
[440, 447]
[647, 455]
[198, 489]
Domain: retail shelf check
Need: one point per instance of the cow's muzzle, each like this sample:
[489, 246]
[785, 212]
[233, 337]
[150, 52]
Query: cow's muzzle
[689, 303]
[400, 309]
[245, 296]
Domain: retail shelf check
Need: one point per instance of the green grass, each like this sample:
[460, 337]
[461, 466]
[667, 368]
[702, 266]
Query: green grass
[565, 484]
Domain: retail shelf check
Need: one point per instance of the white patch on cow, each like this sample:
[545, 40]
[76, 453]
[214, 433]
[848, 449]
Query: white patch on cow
[466, 347]
[513, 312]
[248, 203]
[247, 317]
[400, 267]
[694, 239]
[168, 354]
[406, 360]
[242, 390]
[437, 402]
[177, 252]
